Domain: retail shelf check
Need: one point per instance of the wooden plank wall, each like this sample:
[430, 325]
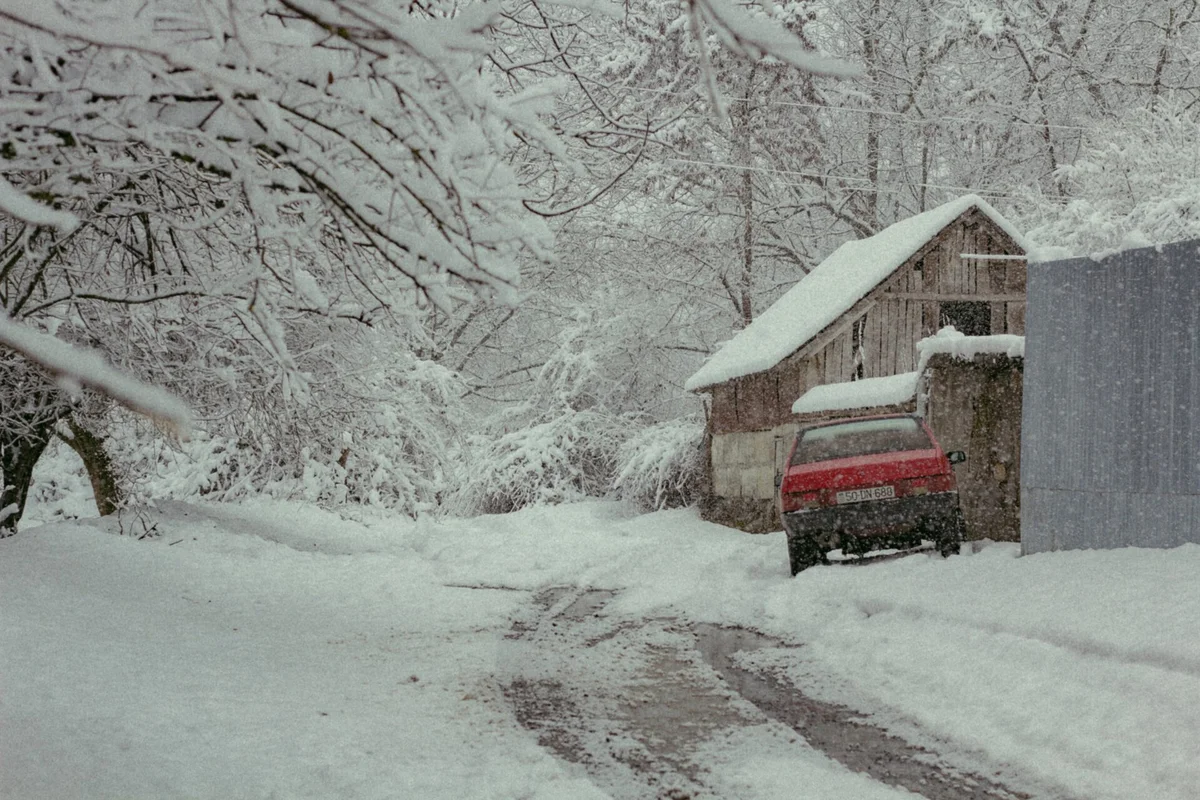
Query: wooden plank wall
[763, 400]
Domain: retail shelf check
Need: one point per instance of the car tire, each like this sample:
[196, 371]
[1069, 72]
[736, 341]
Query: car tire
[951, 541]
[804, 552]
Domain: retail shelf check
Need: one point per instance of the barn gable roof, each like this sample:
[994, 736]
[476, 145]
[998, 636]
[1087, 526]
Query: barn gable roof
[831, 289]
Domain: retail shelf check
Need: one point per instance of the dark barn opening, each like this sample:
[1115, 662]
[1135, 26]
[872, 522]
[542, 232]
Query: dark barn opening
[970, 318]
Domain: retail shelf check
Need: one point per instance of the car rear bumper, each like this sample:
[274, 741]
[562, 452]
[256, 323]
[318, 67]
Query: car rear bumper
[935, 516]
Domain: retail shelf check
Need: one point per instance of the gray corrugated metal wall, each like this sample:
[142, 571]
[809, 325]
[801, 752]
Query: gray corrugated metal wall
[1111, 428]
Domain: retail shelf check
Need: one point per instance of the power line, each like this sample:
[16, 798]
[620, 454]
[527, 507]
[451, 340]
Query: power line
[867, 187]
[880, 112]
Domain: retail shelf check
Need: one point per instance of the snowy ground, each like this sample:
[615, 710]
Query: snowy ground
[279, 651]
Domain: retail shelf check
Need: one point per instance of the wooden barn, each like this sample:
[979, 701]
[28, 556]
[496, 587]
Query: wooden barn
[858, 315]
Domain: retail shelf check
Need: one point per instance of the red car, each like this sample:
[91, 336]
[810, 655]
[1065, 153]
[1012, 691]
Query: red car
[865, 484]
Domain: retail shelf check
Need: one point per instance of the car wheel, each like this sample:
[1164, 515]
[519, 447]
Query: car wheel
[951, 539]
[804, 552]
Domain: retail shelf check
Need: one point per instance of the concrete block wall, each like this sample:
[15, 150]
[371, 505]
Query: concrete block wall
[744, 464]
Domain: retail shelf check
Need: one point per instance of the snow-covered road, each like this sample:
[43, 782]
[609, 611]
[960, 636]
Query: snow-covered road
[280, 651]
[647, 706]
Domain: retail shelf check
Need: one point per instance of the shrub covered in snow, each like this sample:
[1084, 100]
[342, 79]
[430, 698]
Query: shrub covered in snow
[561, 442]
[60, 489]
[662, 466]
[385, 436]
[568, 457]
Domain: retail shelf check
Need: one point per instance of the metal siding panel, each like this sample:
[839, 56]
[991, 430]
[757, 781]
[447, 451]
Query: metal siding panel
[1142, 477]
[1069, 521]
[1137, 477]
[1192, 399]
[1033, 525]
[1033, 472]
[1111, 428]
[1182, 465]
[1113, 317]
[1104, 403]
[1073, 459]
[1150, 520]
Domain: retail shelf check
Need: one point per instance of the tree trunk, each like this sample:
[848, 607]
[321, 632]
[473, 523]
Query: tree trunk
[18, 456]
[873, 122]
[106, 484]
[742, 130]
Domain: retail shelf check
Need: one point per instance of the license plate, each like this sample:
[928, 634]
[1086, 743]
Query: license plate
[859, 495]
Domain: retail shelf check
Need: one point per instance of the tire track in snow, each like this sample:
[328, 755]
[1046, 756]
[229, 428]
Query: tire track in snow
[633, 701]
[629, 701]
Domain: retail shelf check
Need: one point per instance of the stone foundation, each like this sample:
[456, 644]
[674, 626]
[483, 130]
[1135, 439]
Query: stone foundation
[744, 513]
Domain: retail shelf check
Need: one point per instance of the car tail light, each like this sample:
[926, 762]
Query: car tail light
[801, 501]
[929, 484]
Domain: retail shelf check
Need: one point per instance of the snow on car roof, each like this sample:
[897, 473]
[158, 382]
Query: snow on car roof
[865, 393]
[830, 290]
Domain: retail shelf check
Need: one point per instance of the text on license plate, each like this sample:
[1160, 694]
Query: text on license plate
[859, 495]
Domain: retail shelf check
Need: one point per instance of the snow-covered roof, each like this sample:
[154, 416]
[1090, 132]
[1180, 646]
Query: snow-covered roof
[830, 290]
[948, 340]
[866, 393]
[893, 390]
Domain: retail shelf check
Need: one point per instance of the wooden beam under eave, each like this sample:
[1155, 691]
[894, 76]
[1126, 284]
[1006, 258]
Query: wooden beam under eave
[992, 257]
[958, 297]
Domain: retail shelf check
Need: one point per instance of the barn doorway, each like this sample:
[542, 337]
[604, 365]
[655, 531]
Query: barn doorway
[969, 318]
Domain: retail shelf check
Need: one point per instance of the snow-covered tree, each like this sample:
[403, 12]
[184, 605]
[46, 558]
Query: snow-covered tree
[181, 179]
[559, 442]
[195, 188]
[1135, 183]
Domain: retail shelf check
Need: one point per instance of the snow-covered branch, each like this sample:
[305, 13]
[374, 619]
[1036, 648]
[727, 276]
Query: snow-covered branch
[74, 366]
[19, 205]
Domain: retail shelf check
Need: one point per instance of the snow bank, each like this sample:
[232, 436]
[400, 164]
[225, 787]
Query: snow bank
[278, 650]
[836, 284]
[262, 652]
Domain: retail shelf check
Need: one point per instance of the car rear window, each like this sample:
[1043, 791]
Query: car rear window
[860, 438]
